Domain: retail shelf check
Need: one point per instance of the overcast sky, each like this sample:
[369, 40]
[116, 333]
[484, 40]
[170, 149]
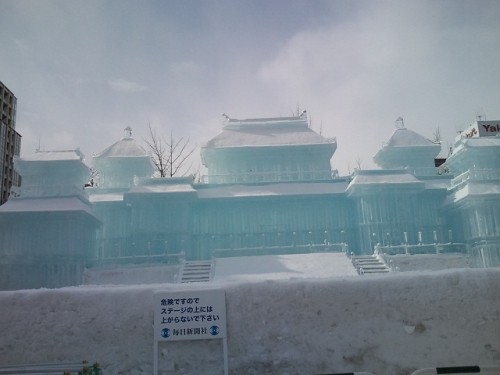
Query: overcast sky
[82, 71]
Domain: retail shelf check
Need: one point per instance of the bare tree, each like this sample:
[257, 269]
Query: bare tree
[157, 149]
[93, 177]
[359, 162]
[436, 138]
[169, 156]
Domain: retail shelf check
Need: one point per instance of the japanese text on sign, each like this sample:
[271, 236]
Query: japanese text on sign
[190, 315]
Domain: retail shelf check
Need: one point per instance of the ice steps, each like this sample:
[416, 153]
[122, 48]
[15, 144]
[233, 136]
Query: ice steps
[193, 272]
[369, 264]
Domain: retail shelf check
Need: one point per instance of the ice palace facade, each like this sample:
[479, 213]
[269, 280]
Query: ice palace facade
[270, 189]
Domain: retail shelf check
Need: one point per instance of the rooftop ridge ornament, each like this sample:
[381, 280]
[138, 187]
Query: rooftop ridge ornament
[400, 123]
[128, 132]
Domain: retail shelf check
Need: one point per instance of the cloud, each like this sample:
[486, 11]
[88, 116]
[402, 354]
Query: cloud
[355, 66]
[423, 61]
[185, 68]
[23, 47]
[125, 86]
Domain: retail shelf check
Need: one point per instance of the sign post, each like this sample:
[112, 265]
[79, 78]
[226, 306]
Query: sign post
[190, 315]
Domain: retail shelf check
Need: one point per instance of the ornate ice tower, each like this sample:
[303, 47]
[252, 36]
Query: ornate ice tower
[268, 150]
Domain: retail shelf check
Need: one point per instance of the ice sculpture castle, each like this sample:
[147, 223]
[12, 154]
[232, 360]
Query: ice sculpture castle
[269, 190]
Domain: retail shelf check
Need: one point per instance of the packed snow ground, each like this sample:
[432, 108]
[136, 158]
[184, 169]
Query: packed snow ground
[387, 324]
[250, 268]
[272, 267]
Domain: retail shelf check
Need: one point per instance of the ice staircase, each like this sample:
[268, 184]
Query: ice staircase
[369, 264]
[196, 271]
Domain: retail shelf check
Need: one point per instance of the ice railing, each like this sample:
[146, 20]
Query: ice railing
[412, 249]
[123, 251]
[283, 176]
[423, 171]
[281, 250]
[176, 258]
[476, 175]
[436, 247]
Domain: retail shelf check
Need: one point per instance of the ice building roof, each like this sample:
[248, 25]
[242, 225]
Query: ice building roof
[439, 183]
[403, 137]
[52, 173]
[477, 142]
[64, 204]
[163, 185]
[407, 148]
[273, 189]
[474, 189]
[54, 155]
[371, 180]
[280, 131]
[121, 162]
[126, 147]
[475, 152]
[383, 177]
[106, 197]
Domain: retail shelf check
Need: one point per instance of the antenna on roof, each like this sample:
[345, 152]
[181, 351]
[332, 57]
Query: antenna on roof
[400, 124]
[480, 114]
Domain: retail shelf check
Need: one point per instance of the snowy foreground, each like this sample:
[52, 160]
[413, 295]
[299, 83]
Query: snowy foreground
[387, 324]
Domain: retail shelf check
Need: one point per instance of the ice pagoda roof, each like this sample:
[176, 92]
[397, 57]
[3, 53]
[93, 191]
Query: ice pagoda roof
[280, 131]
[407, 148]
[126, 147]
[403, 137]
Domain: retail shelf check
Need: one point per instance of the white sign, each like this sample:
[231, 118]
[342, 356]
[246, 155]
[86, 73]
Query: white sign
[190, 315]
[482, 129]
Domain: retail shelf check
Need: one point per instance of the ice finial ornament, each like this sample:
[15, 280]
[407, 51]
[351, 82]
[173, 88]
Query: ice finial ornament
[128, 132]
[400, 123]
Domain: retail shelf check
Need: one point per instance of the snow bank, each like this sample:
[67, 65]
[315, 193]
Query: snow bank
[390, 324]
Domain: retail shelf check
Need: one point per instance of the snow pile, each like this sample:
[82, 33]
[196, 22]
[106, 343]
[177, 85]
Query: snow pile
[389, 324]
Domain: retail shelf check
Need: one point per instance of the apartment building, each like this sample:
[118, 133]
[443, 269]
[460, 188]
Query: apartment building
[10, 142]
